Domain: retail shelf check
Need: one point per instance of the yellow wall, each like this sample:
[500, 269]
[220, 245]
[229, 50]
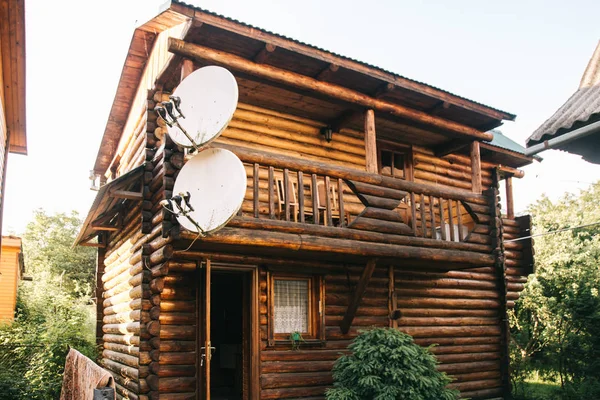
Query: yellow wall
[9, 278]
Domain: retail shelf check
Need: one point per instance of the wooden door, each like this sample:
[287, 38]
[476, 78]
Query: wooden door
[206, 350]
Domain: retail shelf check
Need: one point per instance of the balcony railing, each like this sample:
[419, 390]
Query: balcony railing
[296, 191]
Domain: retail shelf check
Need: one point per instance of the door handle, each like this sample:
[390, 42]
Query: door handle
[203, 354]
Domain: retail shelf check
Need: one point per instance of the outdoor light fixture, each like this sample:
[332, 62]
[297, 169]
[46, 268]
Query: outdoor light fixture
[327, 132]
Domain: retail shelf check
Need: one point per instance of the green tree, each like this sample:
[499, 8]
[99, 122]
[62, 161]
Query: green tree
[556, 322]
[54, 311]
[386, 364]
[48, 248]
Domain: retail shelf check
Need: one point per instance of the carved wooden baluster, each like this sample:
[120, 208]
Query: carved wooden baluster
[460, 225]
[423, 218]
[432, 217]
[315, 199]
[442, 222]
[286, 191]
[328, 201]
[413, 211]
[340, 193]
[450, 221]
[301, 195]
[271, 193]
[255, 189]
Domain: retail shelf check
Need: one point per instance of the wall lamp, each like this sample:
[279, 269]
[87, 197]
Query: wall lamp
[327, 132]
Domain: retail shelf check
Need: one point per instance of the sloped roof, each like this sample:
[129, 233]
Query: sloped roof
[243, 40]
[582, 108]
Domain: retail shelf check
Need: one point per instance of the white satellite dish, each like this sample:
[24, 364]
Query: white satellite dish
[216, 182]
[208, 98]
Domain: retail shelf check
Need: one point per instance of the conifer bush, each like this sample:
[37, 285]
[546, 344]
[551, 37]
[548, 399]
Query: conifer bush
[386, 364]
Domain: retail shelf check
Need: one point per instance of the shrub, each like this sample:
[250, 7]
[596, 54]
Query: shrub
[386, 364]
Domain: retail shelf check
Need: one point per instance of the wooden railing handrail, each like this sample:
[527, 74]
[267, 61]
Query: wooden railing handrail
[334, 171]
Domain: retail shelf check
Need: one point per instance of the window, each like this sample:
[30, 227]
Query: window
[394, 161]
[295, 305]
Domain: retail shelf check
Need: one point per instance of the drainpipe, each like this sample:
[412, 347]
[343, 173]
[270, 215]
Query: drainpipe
[564, 139]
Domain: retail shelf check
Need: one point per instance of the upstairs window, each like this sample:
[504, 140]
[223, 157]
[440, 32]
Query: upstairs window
[395, 162]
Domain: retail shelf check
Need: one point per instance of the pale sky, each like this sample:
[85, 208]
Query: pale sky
[524, 57]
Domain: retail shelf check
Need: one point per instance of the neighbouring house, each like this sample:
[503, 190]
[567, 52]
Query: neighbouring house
[12, 86]
[12, 269]
[575, 126]
[406, 232]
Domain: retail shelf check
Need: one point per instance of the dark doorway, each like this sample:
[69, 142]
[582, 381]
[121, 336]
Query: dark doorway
[229, 317]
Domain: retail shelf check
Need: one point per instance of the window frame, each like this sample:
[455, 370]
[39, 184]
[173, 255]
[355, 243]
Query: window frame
[316, 309]
[395, 148]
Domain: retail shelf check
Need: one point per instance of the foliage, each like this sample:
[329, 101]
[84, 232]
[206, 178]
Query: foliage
[386, 364]
[50, 317]
[555, 326]
[48, 247]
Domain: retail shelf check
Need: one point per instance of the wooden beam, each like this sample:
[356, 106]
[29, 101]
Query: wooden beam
[512, 172]
[187, 67]
[126, 194]
[510, 207]
[441, 106]
[454, 146]
[263, 55]
[97, 245]
[475, 167]
[328, 89]
[384, 89]
[343, 120]
[327, 72]
[370, 142]
[358, 295]
[105, 227]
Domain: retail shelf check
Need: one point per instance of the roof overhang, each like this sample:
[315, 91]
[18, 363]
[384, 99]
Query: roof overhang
[12, 48]
[248, 42]
[111, 203]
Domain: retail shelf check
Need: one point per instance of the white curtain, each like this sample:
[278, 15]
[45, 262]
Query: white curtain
[291, 306]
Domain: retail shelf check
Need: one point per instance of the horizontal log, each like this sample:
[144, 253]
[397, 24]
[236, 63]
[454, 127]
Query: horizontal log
[271, 381]
[351, 234]
[307, 83]
[122, 339]
[122, 358]
[177, 358]
[179, 332]
[120, 369]
[236, 236]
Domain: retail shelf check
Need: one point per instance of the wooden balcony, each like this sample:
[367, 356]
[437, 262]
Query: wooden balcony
[293, 204]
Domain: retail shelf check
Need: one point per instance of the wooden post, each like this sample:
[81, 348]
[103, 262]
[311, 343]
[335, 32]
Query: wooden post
[187, 67]
[370, 142]
[358, 295]
[475, 167]
[207, 341]
[510, 207]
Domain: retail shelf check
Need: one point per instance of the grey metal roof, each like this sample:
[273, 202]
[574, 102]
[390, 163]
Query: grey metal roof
[581, 108]
[509, 116]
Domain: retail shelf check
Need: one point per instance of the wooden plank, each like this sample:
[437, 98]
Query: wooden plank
[442, 221]
[286, 191]
[126, 194]
[432, 216]
[341, 203]
[328, 201]
[359, 292]
[315, 199]
[423, 218]
[271, 193]
[301, 195]
[255, 177]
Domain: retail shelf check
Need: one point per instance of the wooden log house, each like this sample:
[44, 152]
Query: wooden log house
[394, 222]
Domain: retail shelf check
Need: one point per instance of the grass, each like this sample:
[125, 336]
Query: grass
[535, 388]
